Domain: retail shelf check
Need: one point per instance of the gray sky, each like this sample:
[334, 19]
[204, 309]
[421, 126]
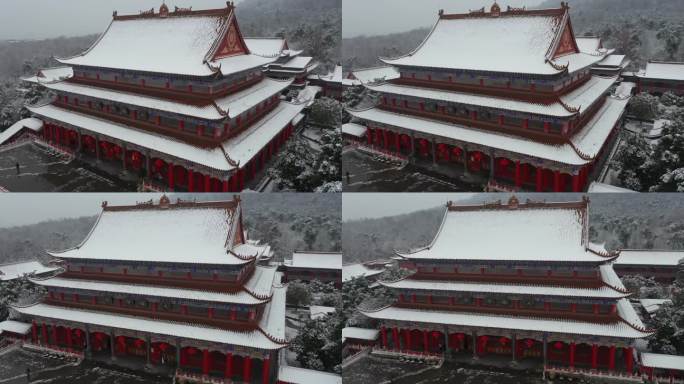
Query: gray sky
[380, 17]
[40, 19]
[372, 205]
[28, 208]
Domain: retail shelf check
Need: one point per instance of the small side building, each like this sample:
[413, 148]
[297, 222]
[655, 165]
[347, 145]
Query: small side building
[663, 368]
[661, 264]
[660, 77]
[17, 270]
[307, 266]
[360, 270]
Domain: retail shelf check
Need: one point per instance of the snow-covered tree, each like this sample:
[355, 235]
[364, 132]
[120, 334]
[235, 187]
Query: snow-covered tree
[644, 106]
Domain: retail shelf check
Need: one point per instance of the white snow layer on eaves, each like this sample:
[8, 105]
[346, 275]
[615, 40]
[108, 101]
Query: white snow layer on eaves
[589, 140]
[553, 326]
[583, 96]
[253, 339]
[31, 123]
[517, 289]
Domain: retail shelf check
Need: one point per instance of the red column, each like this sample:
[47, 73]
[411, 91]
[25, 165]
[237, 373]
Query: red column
[224, 186]
[68, 338]
[265, 372]
[182, 361]
[611, 358]
[247, 374]
[45, 334]
[572, 355]
[540, 172]
[383, 334]
[191, 181]
[395, 337]
[54, 334]
[170, 176]
[518, 180]
[229, 365]
[594, 356]
[385, 139]
[397, 142]
[207, 183]
[425, 341]
[369, 136]
[576, 183]
[629, 361]
[556, 181]
[205, 362]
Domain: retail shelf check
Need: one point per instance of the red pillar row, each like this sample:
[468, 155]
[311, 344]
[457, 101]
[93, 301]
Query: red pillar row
[383, 334]
[205, 362]
[247, 371]
[265, 373]
[229, 365]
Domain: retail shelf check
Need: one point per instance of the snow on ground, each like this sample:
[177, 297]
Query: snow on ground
[373, 370]
[53, 369]
[43, 170]
[369, 173]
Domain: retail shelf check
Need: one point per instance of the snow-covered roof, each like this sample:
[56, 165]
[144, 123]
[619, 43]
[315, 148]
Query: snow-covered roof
[319, 311]
[259, 284]
[315, 260]
[197, 235]
[240, 148]
[662, 361]
[513, 289]
[254, 338]
[556, 326]
[174, 45]
[265, 46]
[49, 75]
[663, 70]
[335, 76]
[297, 62]
[351, 271]
[613, 61]
[296, 375]
[350, 82]
[376, 74]
[649, 257]
[588, 44]
[519, 42]
[31, 123]
[359, 333]
[16, 270]
[588, 141]
[466, 233]
[354, 129]
[581, 97]
[243, 147]
[652, 306]
[225, 107]
[596, 186]
[272, 321]
[15, 327]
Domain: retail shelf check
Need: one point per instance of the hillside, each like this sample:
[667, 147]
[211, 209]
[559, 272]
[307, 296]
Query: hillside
[621, 221]
[363, 51]
[286, 221]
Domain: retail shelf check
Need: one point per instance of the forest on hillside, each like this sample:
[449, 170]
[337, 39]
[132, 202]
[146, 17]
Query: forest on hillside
[651, 221]
[641, 29]
[285, 221]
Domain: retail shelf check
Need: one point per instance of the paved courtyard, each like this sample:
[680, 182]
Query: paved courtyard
[44, 170]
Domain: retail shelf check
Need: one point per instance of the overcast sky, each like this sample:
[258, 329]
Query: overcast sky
[380, 17]
[41, 19]
[372, 205]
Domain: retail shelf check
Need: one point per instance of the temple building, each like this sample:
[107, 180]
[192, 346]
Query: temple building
[506, 98]
[166, 285]
[307, 266]
[659, 264]
[518, 280]
[331, 83]
[660, 77]
[178, 98]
